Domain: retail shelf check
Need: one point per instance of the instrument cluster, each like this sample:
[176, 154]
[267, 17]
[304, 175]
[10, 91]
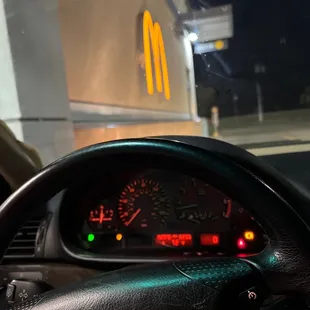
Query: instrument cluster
[157, 213]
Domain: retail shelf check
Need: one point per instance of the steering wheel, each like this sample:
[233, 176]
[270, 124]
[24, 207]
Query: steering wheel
[203, 283]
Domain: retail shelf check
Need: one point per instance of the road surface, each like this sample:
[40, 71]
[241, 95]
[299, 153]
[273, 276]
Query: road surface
[280, 132]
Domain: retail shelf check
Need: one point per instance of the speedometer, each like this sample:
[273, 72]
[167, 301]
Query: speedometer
[142, 203]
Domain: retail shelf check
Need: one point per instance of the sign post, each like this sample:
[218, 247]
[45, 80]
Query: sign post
[215, 121]
[258, 69]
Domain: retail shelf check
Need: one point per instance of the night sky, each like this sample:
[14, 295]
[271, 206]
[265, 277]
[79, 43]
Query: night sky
[274, 33]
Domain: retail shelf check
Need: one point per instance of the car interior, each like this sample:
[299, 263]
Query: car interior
[175, 222]
[154, 154]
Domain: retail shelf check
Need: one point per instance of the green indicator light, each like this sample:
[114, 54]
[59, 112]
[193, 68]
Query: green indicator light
[91, 237]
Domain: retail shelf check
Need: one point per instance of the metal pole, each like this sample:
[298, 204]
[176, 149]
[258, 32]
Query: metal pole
[235, 103]
[259, 95]
[215, 120]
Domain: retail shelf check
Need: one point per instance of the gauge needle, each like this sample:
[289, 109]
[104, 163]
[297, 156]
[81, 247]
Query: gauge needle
[187, 207]
[133, 217]
[101, 218]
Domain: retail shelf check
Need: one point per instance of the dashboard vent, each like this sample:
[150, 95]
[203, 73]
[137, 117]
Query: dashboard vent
[23, 245]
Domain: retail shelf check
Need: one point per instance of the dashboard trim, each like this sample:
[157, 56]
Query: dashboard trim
[93, 257]
[177, 154]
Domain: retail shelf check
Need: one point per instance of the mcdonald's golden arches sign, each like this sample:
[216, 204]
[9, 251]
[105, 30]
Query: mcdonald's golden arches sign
[156, 71]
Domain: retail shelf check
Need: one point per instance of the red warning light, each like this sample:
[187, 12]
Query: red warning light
[174, 240]
[241, 244]
[209, 239]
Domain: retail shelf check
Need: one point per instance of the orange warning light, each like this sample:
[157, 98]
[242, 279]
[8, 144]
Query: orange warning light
[249, 235]
[119, 237]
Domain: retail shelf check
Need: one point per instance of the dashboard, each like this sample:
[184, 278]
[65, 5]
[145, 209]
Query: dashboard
[5, 190]
[110, 218]
[156, 213]
[116, 213]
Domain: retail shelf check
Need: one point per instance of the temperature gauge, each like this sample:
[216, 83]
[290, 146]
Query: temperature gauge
[101, 218]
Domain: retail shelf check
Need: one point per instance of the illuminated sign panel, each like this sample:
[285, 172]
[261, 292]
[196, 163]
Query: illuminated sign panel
[209, 47]
[211, 24]
[154, 47]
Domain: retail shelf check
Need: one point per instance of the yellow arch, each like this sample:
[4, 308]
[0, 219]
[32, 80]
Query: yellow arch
[152, 35]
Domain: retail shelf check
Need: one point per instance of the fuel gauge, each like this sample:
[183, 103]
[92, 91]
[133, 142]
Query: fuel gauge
[101, 218]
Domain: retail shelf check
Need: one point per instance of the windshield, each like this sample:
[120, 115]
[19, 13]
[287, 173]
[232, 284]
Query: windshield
[78, 72]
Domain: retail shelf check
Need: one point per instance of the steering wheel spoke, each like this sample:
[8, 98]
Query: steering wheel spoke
[228, 281]
[213, 283]
[284, 269]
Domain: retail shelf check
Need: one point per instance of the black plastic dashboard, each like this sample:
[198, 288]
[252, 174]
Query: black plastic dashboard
[71, 211]
[5, 190]
[75, 204]
[73, 244]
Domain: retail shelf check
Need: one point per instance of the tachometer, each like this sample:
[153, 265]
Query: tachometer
[142, 203]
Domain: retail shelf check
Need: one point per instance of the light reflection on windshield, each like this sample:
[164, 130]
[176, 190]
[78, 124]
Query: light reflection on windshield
[80, 72]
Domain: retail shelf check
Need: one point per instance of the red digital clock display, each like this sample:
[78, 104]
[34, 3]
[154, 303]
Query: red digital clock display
[174, 240]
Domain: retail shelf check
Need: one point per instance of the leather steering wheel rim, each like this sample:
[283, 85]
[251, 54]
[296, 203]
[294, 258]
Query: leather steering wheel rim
[283, 265]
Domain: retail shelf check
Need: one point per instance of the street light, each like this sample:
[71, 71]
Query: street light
[193, 36]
